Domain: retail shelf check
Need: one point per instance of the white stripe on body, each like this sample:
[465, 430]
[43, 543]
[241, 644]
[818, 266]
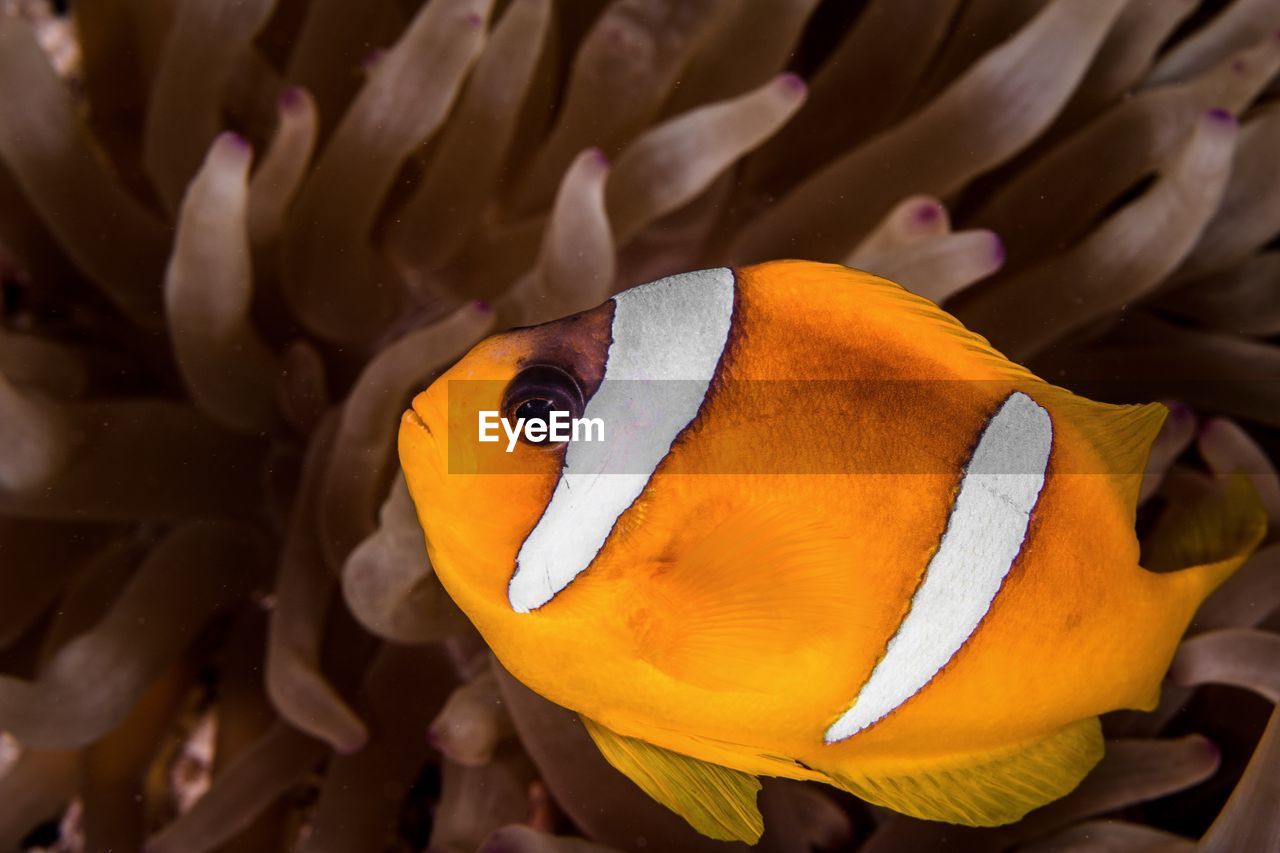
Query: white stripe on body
[672, 329]
[984, 534]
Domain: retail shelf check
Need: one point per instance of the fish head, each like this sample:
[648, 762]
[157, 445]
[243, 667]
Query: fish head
[478, 487]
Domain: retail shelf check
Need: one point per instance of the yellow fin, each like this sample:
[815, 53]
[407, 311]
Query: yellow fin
[1209, 536]
[730, 611]
[718, 802]
[988, 789]
[1120, 434]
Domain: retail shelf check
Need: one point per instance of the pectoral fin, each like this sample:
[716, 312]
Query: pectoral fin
[743, 596]
[716, 801]
[988, 790]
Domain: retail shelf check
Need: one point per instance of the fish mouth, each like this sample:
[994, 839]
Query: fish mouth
[411, 416]
[418, 443]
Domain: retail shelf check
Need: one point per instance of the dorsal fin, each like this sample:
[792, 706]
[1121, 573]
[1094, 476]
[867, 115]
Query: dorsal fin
[1120, 434]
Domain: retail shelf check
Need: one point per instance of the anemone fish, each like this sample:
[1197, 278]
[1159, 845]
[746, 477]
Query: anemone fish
[827, 534]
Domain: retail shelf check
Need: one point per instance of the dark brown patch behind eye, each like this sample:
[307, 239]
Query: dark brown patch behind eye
[577, 344]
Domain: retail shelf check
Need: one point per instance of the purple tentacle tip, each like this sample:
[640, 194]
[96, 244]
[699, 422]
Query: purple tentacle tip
[1220, 115]
[597, 158]
[793, 83]
[1179, 411]
[997, 249]
[473, 19]
[480, 306]
[499, 843]
[928, 213]
[291, 98]
[235, 140]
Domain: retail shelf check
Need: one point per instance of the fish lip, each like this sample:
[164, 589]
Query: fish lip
[424, 450]
[411, 416]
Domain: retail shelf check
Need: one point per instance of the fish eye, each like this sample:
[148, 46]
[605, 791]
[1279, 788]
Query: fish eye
[535, 393]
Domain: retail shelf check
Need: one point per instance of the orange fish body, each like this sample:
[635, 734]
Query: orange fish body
[861, 547]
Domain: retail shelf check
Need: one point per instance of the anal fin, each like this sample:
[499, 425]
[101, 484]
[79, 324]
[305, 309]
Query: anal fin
[989, 790]
[718, 802]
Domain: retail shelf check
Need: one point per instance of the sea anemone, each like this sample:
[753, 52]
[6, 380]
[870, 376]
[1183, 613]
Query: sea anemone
[235, 238]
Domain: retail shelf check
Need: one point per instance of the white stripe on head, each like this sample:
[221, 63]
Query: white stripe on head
[984, 535]
[672, 329]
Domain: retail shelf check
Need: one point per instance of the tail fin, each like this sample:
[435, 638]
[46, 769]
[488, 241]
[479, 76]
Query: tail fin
[1207, 538]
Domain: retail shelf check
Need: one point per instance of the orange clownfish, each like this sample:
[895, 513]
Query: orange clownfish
[810, 527]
